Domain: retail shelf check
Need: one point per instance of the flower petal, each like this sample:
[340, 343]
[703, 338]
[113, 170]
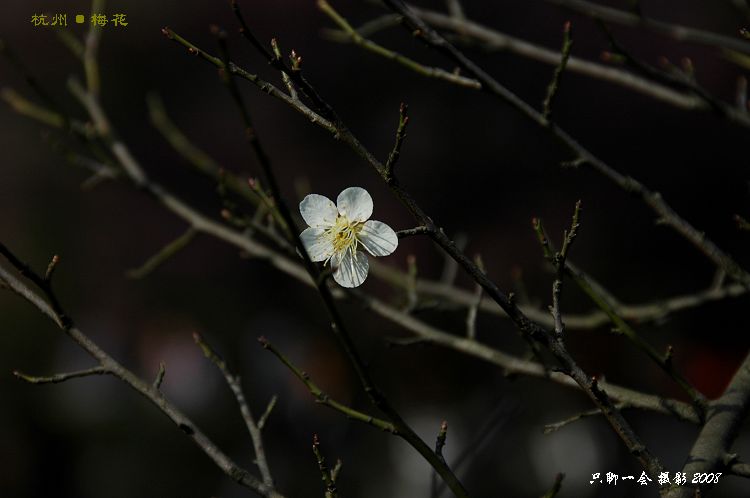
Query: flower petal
[378, 238]
[318, 211]
[317, 245]
[355, 203]
[351, 269]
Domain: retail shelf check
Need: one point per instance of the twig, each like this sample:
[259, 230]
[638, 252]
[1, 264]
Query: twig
[62, 377]
[369, 45]
[233, 381]
[403, 121]
[439, 445]
[682, 77]
[493, 40]
[653, 199]
[27, 108]
[516, 365]
[326, 475]
[554, 85]
[160, 375]
[602, 300]
[267, 413]
[323, 398]
[471, 314]
[441, 437]
[91, 50]
[629, 184]
[410, 232]
[558, 260]
[163, 255]
[550, 428]
[51, 309]
[675, 31]
[284, 77]
[639, 312]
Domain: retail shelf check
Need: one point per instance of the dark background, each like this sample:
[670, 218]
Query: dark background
[474, 164]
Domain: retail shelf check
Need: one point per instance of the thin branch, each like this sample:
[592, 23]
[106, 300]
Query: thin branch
[322, 398]
[326, 475]
[371, 46]
[263, 420]
[629, 184]
[441, 438]
[471, 314]
[516, 365]
[602, 300]
[106, 362]
[645, 312]
[160, 375]
[164, 254]
[682, 77]
[492, 40]
[27, 108]
[62, 377]
[675, 31]
[403, 121]
[558, 260]
[550, 428]
[91, 50]
[554, 85]
[377, 398]
[233, 381]
[410, 232]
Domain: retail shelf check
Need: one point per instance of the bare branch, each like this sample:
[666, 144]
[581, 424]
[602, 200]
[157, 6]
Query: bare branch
[233, 381]
[326, 475]
[675, 31]
[111, 366]
[724, 418]
[554, 85]
[163, 255]
[371, 46]
[323, 398]
[62, 377]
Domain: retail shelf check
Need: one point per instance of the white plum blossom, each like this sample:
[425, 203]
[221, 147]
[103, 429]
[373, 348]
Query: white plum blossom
[337, 231]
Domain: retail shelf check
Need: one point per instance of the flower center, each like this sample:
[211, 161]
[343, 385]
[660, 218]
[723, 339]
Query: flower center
[343, 234]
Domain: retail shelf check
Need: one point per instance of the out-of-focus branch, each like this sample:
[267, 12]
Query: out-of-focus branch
[253, 428]
[57, 378]
[163, 255]
[339, 327]
[427, 333]
[602, 300]
[675, 31]
[371, 46]
[322, 398]
[47, 303]
[645, 312]
[656, 310]
[652, 199]
[711, 451]
[496, 41]
[91, 50]
[554, 85]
